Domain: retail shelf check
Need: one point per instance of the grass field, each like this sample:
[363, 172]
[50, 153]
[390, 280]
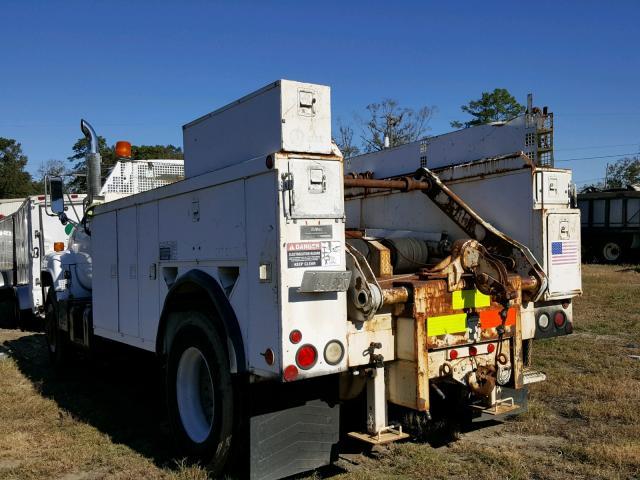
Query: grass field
[584, 422]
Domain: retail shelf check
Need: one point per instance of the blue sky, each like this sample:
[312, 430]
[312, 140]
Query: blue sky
[139, 70]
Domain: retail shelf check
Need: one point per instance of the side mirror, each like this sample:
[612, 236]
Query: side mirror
[56, 190]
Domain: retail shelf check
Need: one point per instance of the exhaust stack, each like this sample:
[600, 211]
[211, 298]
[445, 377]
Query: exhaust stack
[93, 161]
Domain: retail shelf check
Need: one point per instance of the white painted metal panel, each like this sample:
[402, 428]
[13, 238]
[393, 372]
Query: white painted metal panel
[504, 200]
[321, 317]
[453, 148]
[563, 262]
[207, 224]
[284, 115]
[263, 329]
[148, 272]
[104, 254]
[128, 272]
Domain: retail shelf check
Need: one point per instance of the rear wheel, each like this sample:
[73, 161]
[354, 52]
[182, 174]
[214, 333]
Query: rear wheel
[200, 393]
[611, 252]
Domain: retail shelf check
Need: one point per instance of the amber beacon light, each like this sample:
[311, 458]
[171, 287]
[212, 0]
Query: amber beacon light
[123, 149]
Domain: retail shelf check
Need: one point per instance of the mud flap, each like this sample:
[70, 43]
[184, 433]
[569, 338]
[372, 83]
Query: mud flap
[300, 437]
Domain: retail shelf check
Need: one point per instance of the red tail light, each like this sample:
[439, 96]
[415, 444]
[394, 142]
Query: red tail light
[290, 373]
[559, 319]
[306, 357]
[453, 354]
[491, 348]
[473, 351]
[40, 197]
[295, 336]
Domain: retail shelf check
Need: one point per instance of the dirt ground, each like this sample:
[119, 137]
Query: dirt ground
[584, 422]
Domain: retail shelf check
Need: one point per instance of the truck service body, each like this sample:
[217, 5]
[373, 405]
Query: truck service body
[269, 317]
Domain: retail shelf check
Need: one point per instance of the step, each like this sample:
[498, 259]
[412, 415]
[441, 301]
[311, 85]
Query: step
[533, 376]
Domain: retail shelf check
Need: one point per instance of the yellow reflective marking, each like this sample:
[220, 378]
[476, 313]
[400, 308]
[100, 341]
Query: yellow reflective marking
[469, 299]
[444, 324]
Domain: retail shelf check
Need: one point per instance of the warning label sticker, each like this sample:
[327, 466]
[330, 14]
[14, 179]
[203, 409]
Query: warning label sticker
[313, 254]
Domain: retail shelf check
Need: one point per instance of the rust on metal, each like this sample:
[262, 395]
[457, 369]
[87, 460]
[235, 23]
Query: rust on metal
[516, 256]
[406, 184]
[380, 259]
[391, 296]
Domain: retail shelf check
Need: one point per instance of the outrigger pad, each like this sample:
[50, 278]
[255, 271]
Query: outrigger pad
[293, 440]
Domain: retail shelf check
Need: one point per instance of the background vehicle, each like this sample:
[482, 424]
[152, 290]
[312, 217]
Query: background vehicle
[26, 236]
[611, 223]
[268, 317]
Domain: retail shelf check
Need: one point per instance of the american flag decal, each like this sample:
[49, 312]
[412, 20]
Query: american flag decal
[564, 252]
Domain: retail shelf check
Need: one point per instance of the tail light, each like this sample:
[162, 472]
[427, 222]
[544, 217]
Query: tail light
[295, 336]
[453, 354]
[269, 356]
[306, 356]
[58, 246]
[473, 351]
[559, 319]
[491, 348]
[290, 373]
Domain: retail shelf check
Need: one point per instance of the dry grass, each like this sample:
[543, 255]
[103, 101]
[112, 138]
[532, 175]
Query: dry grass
[584, 422]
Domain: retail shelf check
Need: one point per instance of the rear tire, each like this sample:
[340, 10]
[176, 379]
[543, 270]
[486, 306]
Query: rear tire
[57, 343]
[200, 393]
[611, 252]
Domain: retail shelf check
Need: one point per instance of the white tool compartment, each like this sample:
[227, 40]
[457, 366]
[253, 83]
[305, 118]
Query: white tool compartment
[551, 188]
[283, 116]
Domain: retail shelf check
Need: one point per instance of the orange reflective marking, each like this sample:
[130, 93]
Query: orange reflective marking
[491, 318]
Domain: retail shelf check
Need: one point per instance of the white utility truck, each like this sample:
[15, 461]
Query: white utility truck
[269, 318]
[26, 236]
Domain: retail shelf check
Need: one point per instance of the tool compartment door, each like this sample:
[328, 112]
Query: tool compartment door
[316, 189]
[128, 272]
[148, 289]
[563, 253]
[104, 255]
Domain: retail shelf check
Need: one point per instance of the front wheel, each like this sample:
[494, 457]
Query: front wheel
[200, 392]
[57, 344]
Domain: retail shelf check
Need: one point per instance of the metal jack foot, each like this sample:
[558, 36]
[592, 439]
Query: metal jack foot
[378, 432]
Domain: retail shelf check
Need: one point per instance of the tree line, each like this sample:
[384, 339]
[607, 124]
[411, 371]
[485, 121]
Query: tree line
[16, 182]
